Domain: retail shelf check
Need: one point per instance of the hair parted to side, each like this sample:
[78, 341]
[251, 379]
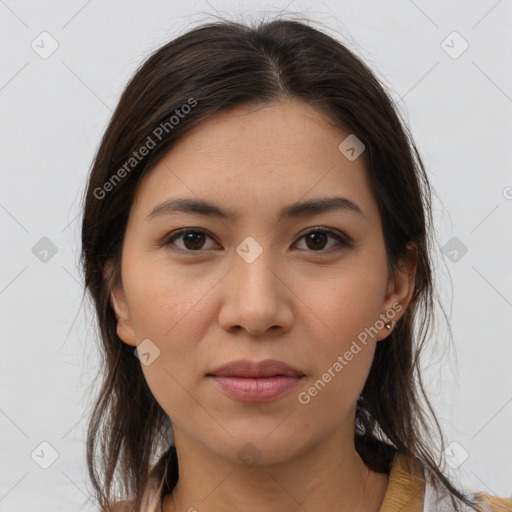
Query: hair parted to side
[212, 68]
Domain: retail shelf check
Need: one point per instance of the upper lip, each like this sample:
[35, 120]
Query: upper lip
[246, 368]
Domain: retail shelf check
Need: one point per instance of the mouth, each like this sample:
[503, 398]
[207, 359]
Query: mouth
[264, 381]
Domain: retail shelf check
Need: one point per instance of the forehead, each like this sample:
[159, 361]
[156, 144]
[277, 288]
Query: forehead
[258, 156]
[276, 125]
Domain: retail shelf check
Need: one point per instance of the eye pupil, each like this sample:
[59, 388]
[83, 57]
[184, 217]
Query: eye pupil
[192, 237]
[313, 237]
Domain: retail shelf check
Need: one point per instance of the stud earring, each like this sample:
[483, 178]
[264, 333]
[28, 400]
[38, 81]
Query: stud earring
[390, 324]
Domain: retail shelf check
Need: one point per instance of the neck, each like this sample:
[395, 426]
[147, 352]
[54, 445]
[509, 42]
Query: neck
[331, 476]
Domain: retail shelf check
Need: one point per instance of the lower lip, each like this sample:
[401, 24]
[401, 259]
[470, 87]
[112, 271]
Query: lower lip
[263, 389]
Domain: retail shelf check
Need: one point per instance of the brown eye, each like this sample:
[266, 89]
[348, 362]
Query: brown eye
[317, 239]
[192, 240]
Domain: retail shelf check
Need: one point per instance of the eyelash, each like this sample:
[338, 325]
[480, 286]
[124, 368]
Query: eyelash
[344, 243]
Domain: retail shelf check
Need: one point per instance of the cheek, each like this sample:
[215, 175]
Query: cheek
[343, 366]
[331, 393]
[174, 375]
[171, 311]
[345, 346]
[167, 302]
[171, 388]
[349, 303]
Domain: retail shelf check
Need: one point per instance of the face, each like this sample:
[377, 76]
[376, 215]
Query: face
[307, 288]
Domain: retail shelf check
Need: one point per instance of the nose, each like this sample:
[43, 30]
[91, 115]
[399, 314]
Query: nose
[256, 298]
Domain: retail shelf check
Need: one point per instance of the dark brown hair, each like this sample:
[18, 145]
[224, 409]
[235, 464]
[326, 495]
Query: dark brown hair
[212, 68]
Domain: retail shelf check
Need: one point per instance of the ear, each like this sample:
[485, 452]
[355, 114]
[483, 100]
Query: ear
[400, 289]
[119, 304]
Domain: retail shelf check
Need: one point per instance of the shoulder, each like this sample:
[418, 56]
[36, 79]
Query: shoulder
[410, 478]
[437, 500]
[493, 503]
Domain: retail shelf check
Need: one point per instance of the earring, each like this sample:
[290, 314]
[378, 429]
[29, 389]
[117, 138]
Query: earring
[390, 324]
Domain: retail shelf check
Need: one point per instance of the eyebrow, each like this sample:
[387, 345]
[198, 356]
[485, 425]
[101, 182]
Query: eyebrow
[298, 209]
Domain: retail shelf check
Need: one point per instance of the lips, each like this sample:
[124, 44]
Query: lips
[249, 381]
[253, 369]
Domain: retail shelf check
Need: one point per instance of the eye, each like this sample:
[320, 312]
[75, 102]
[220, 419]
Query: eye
[316, 240]
[193, 240]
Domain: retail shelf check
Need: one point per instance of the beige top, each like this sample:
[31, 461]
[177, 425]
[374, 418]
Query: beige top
[407, 491]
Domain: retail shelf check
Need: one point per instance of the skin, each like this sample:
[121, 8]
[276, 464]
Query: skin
[295, 303]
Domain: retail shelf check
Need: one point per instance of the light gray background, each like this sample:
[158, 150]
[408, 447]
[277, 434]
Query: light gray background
[53, 113]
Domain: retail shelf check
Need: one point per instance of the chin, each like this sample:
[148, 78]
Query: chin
[259, 448]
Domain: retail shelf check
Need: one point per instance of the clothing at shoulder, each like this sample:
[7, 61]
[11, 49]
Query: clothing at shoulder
[409, 491]
[122, 506]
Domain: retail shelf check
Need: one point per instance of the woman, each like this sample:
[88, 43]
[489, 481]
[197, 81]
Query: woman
[256, 239]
